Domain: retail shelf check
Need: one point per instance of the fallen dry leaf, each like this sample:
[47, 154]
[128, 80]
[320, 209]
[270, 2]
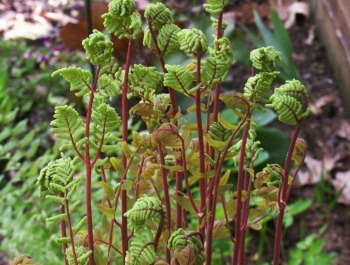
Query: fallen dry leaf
[321, 102]
[342, 181]
[311, 36]
[297, 8]
[344, 130]
[313, 172]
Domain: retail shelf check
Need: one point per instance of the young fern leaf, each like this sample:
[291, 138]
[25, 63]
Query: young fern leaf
[78, 78]
[121, 8]
[167, 38]
[216, 68]
[109, 86]
[69, 126]
[82, 255]
[216, 24]
[141, 252]
[193, 42]
[145, 209]
[123, 27]
[265, 59]
[188, 245]
[106, 121]
[98, 47]
[258, 88]
[215, 6]
[178, 78]
[290, 101]
[158, 14]
[145, 80]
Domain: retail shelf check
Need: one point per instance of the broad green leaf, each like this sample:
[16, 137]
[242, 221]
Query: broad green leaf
[108, 189]
[109, 212]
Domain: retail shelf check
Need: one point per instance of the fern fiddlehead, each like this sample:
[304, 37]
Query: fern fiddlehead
[122, 20]
[215, 6]
[265, 59]
[290, 102]
[158, 14]
[193, 42]
[188, 247]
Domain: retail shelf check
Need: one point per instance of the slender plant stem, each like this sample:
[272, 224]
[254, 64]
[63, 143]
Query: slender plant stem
[125, 117]
[238, 231]
[71, 234]
[282, 199]
[88, 169]
[63, 231]
[166, 197]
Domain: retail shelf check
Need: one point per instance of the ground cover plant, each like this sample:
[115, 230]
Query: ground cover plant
[166, 194]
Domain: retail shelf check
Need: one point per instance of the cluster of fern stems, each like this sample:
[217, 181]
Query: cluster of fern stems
[164, 186]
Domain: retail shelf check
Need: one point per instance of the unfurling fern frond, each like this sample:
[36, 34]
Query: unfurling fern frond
[184, 241]
[56, 177]
[215, 6]
[219, 132]
[142, 252]
[106, 121]
[145, 209]
[216, 67]
[167, 38]
[78, 78]
[145, 80]
[98, 47]
[193, 42]
[158, 14]
[265, 59]
[290, 101]
[108, 86]
[121, 8]
[216, 24]
[82, 255]
[178, 78]
[69, 126]
[258, 88]
[123, 27]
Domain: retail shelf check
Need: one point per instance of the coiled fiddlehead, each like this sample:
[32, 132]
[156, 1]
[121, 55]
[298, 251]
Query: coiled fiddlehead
[167, 38]
[122, 20]
[98, 47]
[215, 6]
[193, 42]
[158, 14]
[290, 101]
[145, 209]
[188, 247]
[265, 59]
[78, 78]
[258, 88]
[141, 251]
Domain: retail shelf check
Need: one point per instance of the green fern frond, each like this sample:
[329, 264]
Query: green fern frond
[167, 38]
[215, 6]
[258, 88]
[158, 14]
[69, 125]
[141, 251]
[109, 86]
[219, 132]
[106, 120]
[145, 209]
[123, 27]
[145, 80]
[265, 59]
[290, 101]
[192, 41]
[82, 255]
[147, 39]
[98, 47]
[78, 78]
[215, 23]
[178, 78]
[56, 176]
[121, 8]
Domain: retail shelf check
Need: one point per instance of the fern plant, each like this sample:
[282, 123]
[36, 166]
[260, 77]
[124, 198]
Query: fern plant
[162, 189]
